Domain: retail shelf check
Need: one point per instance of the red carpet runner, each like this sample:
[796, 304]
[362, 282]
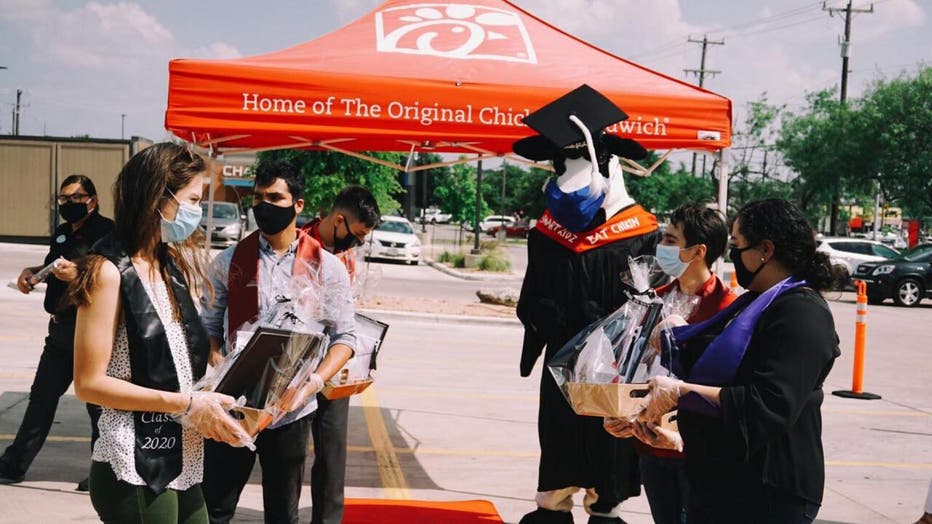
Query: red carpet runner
[381, 511]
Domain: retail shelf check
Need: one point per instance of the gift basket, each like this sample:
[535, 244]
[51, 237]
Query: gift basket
[272, 357]
[356, 375]
[603, 370]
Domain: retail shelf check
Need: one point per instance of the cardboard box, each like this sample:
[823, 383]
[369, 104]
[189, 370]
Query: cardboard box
[606, 400]
[252, 420]
[334, 391]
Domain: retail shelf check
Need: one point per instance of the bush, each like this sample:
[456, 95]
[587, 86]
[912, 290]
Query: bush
[454, 259]
[494, 262]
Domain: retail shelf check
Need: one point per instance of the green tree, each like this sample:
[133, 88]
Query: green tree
[895, 125]
[455, 193]
[327, 172]
[664, 189]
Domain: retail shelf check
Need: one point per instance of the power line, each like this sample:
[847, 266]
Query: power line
[677, 42]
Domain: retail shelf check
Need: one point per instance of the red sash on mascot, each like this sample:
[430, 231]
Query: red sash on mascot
[243, 277]
[631, 222]
[348, 257]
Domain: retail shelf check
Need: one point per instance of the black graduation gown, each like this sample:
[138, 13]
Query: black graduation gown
[562, 293]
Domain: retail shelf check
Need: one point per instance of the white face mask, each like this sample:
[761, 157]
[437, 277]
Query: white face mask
[668, 258]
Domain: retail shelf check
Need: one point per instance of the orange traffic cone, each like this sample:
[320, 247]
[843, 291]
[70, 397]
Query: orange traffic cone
[734, 281]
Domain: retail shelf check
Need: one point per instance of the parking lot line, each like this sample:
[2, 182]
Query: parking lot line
[393, 479]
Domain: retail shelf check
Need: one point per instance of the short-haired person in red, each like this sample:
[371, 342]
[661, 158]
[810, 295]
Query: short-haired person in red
[354, 214]
[694, 238]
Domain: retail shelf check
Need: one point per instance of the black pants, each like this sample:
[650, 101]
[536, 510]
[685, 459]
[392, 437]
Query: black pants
[118, 502]
[666, 486]
[282, 452]
[769, 506]
[328, 474]
[53, 376]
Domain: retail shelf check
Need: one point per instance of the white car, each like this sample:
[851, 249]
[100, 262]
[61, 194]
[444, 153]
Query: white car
[493, 221]
[435, 216]
[849, 252]
[394, 239]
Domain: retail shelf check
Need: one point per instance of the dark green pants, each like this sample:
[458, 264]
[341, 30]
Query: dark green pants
[123, 503]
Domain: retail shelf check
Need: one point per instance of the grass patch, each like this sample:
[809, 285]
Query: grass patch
[454, 259]
[495, 263]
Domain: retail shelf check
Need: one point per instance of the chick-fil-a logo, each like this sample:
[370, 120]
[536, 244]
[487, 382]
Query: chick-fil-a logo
[450, 30]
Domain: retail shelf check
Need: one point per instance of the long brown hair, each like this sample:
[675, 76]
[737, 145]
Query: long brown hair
[145, 182]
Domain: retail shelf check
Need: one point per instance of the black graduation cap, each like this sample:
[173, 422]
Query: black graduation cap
[559, 136]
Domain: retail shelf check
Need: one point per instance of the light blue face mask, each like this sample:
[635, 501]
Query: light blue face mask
[668, 258]
[186, 221]
[575, 210]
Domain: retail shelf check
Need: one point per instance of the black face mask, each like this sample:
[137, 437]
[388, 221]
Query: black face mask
[742, 273]
[347, 242]
[271, 219]
[73, 211]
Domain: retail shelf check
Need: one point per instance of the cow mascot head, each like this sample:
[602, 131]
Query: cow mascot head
[589, 187]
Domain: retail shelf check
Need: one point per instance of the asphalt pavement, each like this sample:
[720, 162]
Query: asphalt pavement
[449, 418]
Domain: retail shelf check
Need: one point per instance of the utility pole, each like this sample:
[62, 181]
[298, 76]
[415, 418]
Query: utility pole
[122, 125]
[19, 94]
[702, 71]
[845, 44]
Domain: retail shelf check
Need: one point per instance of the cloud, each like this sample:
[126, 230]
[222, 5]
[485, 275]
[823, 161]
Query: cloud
[216, 50]
[888, 18]
[610, 24]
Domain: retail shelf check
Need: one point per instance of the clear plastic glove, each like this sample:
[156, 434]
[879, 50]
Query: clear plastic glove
[24, 281]
[657, 437]
[293, 399]
[653, 348]
[208, 415]
[661, 398]
[65, 270]
[618, 427]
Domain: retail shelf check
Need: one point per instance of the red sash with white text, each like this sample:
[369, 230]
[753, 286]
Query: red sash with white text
[631, 222]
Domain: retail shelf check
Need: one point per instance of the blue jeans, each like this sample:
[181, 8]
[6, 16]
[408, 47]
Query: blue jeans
[667, 489]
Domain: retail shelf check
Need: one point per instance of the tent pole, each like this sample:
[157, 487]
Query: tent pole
[722, 199]
[476, 232]
[210, 200]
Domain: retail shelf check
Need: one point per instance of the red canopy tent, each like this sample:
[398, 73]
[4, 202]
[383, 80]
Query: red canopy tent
[449, 77]
[456, 76]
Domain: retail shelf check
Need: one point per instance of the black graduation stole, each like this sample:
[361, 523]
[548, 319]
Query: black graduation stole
[158, 447]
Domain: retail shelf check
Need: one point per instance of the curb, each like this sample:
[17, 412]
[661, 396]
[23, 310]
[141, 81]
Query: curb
[391, 314]
[467, 276]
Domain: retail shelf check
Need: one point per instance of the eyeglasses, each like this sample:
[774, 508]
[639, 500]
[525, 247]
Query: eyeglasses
[76, 198]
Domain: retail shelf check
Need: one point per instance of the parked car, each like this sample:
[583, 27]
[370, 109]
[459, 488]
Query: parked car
[433, 215]
[907, 278]
[228, 223]
[394, 239]
[491, 221]
[847, 253]
[512, 229]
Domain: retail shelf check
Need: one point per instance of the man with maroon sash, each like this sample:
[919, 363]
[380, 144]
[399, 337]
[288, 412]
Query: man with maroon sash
[353, 215]
[576, 254]
[254, 282]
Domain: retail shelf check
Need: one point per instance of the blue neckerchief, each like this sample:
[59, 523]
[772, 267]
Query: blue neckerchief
[575, 210]
[718, 364]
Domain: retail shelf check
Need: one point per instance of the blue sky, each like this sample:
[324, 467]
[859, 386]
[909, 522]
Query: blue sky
[82, 64]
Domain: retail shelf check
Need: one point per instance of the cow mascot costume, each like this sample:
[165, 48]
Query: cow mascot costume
[576, 255]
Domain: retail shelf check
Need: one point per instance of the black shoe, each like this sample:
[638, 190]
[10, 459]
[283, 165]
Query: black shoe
[82, 486]
[593, 519]
[546, 516]
[7, 477]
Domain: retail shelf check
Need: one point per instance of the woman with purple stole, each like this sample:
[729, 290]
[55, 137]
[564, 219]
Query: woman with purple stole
[751, 391]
